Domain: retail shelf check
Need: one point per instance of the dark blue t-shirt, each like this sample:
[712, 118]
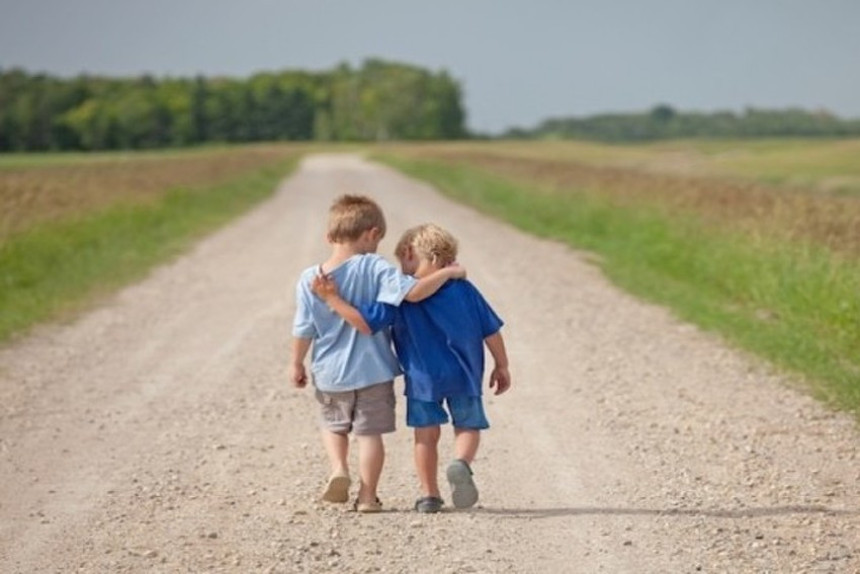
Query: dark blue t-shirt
[440, 340]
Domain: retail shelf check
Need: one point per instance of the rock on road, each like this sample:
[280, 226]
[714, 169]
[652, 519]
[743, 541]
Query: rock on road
[159, 433]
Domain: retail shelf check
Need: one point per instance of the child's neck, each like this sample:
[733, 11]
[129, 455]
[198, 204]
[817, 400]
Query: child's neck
[425, 268]
[340, 252]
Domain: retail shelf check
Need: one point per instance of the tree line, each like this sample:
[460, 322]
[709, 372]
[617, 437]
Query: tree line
[664, 122]
[378, 101]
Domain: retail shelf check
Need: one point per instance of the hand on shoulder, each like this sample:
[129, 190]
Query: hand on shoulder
[324, 286]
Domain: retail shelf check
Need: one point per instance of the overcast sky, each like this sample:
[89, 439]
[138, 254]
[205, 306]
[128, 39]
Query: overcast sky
[519, 61]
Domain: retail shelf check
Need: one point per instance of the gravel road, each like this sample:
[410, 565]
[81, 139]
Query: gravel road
[159, 433]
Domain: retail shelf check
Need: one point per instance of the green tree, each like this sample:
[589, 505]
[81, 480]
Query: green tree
[381, 100]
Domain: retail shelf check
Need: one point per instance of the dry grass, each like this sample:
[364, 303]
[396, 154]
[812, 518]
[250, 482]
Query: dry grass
[821, 165]
[784, 212]
[34, 194]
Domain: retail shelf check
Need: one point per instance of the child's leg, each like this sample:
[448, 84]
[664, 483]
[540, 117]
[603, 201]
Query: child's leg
[371, 457]
[337, 449]
[464, 492]
[427, 458]
[336, 423]
[466, 442]
[426, 418]
[469, 419]
[373, 417]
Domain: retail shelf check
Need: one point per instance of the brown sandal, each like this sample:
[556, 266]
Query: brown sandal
[337, 489]
[367, 507]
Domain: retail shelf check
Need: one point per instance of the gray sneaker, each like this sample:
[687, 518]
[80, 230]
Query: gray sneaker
[429, 505]
[464, 493]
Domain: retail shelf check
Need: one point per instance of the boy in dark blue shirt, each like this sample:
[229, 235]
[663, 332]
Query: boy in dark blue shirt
[440, 345]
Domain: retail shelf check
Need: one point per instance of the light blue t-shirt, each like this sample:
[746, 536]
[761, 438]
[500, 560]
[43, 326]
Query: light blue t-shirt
[342, 359]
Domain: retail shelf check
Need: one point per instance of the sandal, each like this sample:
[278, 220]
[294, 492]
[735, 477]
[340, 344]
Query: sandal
[429, 504]
[367, 507]
[337, 489]
[464, 493]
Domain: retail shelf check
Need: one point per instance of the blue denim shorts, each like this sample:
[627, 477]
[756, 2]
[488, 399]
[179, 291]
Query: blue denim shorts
[466, 413]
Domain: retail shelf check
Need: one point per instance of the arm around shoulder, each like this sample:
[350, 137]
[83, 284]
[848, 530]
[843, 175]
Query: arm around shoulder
[349, 314]
[427, 286]
[326, 289]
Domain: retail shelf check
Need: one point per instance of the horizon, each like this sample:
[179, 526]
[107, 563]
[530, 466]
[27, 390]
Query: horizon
[518, 63]
[540, 121]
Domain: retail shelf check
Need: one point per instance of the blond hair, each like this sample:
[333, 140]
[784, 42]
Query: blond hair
[434, 244]
[352, 215]
[405, 242]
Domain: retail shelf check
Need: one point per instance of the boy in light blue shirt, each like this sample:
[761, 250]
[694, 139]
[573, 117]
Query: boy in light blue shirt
[353, 374]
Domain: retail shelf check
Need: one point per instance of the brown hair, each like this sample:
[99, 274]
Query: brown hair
[352, 215]
[434, 244]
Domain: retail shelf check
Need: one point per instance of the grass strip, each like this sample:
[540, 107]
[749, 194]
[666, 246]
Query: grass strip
[59, 267]
[793, 304]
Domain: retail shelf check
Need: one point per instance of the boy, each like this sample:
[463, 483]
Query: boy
[353, 374]
[439, 343]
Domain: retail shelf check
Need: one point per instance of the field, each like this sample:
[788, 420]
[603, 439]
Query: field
[823, 165]
[796, 190]
[161, 432]
[74, 227]
[759, 241]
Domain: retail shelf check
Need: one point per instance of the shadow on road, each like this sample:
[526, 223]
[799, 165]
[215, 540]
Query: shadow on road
[685, 512]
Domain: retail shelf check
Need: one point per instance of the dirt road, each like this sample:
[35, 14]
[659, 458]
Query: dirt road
[159, 433]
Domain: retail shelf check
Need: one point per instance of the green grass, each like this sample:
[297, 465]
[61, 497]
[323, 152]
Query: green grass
[58, 268]
[793, 304]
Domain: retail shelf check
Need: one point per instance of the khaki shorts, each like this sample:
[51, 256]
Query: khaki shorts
[365, 411]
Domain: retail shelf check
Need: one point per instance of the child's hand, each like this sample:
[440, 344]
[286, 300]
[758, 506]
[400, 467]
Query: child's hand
[324, 287]
[298, 375]
[500, 379]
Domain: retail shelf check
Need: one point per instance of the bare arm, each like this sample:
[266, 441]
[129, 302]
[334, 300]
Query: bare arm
[300, 348]
[500, 377]
[428, 285]
[326, 289]
[349, 314]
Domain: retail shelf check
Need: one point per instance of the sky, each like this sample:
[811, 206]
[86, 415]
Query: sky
[519, 61]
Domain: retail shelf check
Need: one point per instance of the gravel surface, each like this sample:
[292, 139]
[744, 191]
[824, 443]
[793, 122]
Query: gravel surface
[158, 433]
